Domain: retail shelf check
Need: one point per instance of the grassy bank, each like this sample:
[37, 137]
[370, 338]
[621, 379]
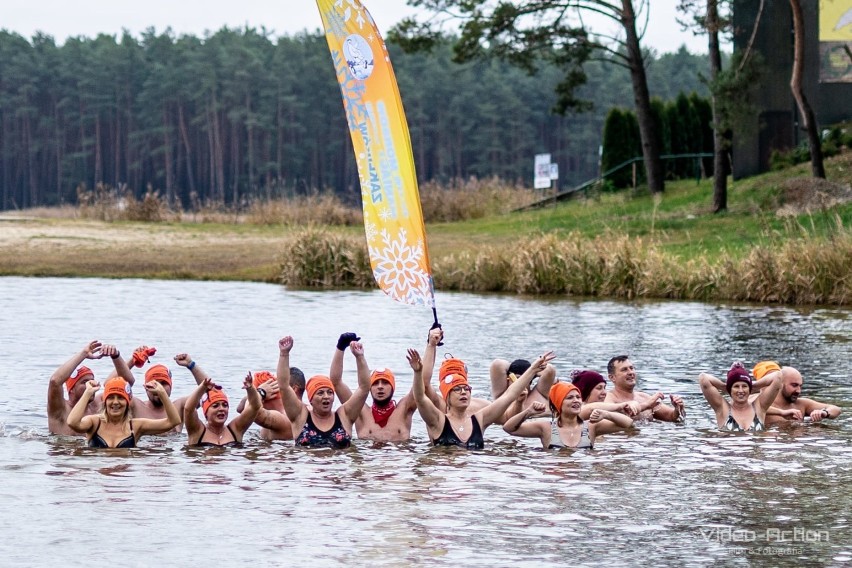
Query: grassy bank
[785, 238]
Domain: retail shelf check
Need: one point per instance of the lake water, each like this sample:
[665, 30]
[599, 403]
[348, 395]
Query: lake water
[683, 495]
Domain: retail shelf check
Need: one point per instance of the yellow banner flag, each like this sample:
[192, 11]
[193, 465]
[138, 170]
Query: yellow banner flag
[393, 219]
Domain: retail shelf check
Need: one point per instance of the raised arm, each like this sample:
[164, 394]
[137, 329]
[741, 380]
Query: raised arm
[121, 368]
[546, 380]
[352, 407]
[55, 393]
[335, 372]
[193, 425]
[495, 410]
[769, 392]
[77, 419]
[158, 425]
[140, 356]
[436, 336]
[184, 360]
[498, 371]
[708, 382]
[294, 408]
[242, 422]
[431, 414]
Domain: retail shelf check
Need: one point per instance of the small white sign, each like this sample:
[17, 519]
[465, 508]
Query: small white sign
[554, 171]
[541, 179]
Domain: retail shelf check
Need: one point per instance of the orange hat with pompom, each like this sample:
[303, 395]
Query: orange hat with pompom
[453, 373]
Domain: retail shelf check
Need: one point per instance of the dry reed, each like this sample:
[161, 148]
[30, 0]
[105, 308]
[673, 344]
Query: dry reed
[318, 258]
[802, 271]
[471, 199]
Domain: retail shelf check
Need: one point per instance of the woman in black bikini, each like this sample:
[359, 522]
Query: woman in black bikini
[459, 426]
[317, 426]
[115, 427]
[215, 407]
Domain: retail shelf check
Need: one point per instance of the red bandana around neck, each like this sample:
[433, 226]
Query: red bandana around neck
[381, 414]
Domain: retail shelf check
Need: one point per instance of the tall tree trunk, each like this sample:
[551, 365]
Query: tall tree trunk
[99, 164]
[211, 144]
[648, 128]
[184, 135]
[808, 118]
[250, 145]
[116, 171]
[720, 171]
[167, 157]
[28, 148]
[58, 140]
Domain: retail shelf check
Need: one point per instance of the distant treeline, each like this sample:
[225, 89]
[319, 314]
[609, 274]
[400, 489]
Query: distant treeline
[239, 115]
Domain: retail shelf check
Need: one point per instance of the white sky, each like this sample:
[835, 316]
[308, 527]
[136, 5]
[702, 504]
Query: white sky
[65, 18]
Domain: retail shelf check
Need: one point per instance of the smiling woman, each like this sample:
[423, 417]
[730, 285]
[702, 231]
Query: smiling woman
[115, 427]
[215, 406]
[740, 415]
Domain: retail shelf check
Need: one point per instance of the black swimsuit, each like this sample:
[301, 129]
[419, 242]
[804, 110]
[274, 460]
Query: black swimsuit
[97, 442]
[233, 442]
[448, 436]
[313, 437]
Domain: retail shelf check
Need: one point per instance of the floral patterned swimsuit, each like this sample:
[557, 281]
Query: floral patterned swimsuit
[313, 437]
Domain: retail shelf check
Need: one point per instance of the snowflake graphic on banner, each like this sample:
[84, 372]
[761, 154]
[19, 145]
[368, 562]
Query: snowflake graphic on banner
[397, 267]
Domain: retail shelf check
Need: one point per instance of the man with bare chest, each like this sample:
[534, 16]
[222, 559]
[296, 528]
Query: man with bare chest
[622, 373]
[386, 420]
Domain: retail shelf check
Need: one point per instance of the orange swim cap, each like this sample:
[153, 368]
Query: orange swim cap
[71, 381]
[453, 373]
[558, 393]
[119, 386]
[213, 396]
[261, 377]
[383, 373]
[316, 383]
[764, 368]
[158, 373]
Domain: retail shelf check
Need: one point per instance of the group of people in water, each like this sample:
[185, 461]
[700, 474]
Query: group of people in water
[527, 399]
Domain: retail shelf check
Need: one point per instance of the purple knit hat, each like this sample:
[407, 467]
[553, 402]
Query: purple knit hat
[737, 373]
[586, 380]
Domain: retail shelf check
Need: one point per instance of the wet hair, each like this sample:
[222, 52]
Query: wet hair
[518, 367]
[610, 367]
[297, 379]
